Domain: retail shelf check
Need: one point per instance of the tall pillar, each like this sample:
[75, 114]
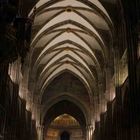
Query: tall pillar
[90, 130]
[87, 133]
[40, 130]
[109, 94]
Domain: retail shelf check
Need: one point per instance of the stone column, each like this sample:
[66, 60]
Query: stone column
[96, 108]
[110, 94]
[90, 130]
[40, 130]
[87, 133]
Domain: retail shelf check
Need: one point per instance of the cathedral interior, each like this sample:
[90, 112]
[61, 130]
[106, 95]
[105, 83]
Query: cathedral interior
[69, 70]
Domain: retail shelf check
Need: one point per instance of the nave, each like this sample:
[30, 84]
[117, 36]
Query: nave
[69, 70]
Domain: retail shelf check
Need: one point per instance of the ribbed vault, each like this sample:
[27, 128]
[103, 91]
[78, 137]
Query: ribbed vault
[71, 45]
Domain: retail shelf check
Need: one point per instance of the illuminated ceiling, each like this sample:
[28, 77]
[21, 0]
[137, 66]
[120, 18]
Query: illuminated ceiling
[64, 120]
[73, 36]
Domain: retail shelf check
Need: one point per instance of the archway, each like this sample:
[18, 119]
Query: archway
[65, 136]
[63, 109]
[64, 127]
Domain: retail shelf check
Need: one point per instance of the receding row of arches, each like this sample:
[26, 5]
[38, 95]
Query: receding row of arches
[70, 70]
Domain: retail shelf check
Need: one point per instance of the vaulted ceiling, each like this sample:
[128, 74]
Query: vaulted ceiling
[70, 49]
